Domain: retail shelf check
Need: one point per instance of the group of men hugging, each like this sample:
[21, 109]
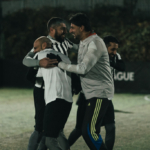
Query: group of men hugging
[56, 80]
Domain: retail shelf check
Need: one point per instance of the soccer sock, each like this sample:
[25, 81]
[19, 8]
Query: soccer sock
[33, 144]
[110, 135]
[74, 135]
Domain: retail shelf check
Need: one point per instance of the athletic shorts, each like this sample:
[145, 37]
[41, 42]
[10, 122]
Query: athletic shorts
[55, 117]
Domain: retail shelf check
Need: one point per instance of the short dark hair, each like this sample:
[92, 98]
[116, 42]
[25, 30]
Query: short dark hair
[80, 19]
[53, 22]
[108, 39]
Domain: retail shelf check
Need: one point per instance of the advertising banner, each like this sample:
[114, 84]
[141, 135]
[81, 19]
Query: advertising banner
[136, 78]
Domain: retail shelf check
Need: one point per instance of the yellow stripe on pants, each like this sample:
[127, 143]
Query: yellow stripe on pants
[94, 119]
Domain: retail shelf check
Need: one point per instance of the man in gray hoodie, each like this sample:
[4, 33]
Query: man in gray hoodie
[96, 80]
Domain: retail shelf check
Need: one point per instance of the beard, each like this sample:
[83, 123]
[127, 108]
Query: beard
[58, 37]
[76, 36]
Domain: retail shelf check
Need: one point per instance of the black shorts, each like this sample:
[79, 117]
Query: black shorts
[39, 104]
[55, 117]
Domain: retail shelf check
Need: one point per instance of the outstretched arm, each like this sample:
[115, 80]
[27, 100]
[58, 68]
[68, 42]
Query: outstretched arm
[30, 61]
[92, 56]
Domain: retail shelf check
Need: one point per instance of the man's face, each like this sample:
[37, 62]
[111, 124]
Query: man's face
[75, 31]
[60, 32]
[37, 46]
[112, 49]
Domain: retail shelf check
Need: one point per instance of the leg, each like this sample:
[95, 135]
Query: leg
[52, 143]
[63, 141]
[77, 132]
[33, 144]
[74, 135]
[34, 140]
[42, 145]
[110, 135]
[56, 115]
[39, 104]
[109, 123]
[95, 111]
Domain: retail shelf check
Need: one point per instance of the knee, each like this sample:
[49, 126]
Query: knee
[51, 142]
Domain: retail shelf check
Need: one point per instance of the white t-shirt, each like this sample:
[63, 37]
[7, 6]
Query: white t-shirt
[57, 81]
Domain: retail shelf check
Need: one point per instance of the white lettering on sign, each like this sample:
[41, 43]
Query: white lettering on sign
[124, 76]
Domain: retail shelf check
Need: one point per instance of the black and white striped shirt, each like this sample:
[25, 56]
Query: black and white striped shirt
[61, 47]
[57, 46]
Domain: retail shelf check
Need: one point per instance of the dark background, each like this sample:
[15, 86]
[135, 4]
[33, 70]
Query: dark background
[21, 22]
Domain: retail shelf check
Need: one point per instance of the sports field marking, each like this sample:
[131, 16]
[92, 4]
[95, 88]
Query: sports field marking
[147, 98]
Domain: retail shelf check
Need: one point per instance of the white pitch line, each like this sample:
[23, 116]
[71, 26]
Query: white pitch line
[146, 98]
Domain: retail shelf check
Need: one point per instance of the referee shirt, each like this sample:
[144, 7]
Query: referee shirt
[57, 81]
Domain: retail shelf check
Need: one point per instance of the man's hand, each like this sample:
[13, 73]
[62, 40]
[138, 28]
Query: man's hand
[47, 63]
[57, 57]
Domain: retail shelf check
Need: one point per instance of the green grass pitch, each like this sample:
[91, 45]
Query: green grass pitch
[132, 113]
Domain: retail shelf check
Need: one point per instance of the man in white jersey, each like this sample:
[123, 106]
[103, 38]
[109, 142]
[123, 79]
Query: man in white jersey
[57, 30]
[38, 94]
[96, 80]
[58, 98]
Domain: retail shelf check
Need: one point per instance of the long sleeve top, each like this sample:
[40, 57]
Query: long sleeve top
[93, 67]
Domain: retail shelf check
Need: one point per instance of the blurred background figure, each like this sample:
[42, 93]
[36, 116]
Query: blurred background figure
[116, 62]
